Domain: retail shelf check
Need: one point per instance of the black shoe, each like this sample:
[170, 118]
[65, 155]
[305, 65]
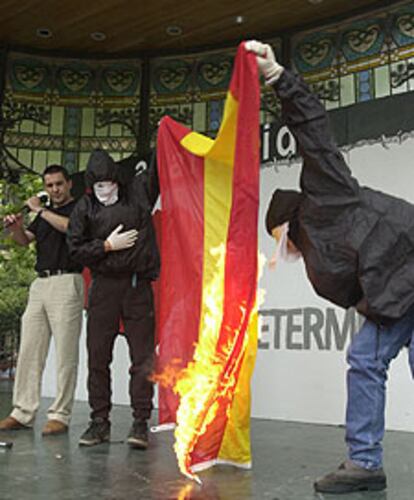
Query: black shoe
[349, 477]
[138, 435]
[99, 431]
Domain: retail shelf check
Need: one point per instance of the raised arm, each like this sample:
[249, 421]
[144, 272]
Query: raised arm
[59, 222]
[148, 181]
[325, 173]
[152, 183]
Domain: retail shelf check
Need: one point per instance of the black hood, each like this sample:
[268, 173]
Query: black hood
[283, 207]
[101, 167]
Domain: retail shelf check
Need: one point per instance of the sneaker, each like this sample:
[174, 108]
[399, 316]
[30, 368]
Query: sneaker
[138, 435]
[99, 431]
[349, 477]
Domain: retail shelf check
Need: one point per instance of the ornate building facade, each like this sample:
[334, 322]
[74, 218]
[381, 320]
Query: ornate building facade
[57, 110]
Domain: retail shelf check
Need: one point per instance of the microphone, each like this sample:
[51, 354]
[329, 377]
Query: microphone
[43, 197]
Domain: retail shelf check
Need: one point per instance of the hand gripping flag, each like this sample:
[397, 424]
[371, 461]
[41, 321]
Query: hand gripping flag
[207, 316]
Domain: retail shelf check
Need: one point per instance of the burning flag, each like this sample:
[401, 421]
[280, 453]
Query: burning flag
[207, 323]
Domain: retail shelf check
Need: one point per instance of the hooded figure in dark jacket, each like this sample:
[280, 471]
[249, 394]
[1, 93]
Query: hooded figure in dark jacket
[111, 232]
[358, 249]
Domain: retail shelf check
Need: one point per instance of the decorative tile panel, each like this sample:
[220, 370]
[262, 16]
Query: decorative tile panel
[85, 104]
[369, 58]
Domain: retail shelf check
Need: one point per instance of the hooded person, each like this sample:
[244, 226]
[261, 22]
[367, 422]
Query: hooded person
[281, 223]
[358, 249]
[111, 232]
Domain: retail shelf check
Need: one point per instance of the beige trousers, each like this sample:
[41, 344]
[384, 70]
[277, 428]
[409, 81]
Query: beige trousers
[54, 309]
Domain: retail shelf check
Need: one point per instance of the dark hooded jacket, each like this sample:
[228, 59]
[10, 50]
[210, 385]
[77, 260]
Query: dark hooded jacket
[91, 222]
[357, 243]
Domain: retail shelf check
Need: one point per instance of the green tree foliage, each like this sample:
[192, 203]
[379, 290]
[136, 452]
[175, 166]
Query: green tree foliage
[16, 262]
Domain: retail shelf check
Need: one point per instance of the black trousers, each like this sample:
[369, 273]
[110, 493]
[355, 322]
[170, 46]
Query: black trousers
[110, 300]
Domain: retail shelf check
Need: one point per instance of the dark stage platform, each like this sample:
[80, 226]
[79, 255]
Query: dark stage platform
[287, 457]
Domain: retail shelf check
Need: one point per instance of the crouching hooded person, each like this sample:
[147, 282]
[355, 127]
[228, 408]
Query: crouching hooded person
[111, 232]
[358, 249]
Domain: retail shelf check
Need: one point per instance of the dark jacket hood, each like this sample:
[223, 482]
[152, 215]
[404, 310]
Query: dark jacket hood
[100, 167]
[283, 207]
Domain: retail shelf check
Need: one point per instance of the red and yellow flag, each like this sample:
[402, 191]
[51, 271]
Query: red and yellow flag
[207, 316]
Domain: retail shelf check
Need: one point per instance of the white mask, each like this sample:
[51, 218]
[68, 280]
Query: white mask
[282, 250]
[106, 192]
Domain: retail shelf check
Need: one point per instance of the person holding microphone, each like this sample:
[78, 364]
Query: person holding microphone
[54, 308]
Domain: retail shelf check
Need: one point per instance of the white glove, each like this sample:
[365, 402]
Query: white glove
[266, 60]
[119, 241]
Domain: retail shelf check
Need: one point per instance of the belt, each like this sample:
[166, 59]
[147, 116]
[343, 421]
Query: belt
[53, 272]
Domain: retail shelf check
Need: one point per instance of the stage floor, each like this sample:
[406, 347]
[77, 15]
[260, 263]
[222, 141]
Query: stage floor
[287, 457]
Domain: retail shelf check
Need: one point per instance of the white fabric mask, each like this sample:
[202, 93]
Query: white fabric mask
[106, 192]
[282, 250]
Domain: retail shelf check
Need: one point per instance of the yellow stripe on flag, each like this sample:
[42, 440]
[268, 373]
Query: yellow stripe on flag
[235, 446]
[218, 186]
[222, 149]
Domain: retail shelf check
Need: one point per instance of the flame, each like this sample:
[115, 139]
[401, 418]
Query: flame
[169, 375]
[209, 378]
[185, 492]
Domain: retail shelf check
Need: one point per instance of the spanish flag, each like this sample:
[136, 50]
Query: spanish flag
[207, 305]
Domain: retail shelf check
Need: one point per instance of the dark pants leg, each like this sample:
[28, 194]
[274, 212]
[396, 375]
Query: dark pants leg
[138, 317]
[104, 311]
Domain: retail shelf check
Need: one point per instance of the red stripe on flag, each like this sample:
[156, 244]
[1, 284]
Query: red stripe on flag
[181, 176]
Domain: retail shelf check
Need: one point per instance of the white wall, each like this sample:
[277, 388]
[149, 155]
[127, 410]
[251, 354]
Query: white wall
[299, 384]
